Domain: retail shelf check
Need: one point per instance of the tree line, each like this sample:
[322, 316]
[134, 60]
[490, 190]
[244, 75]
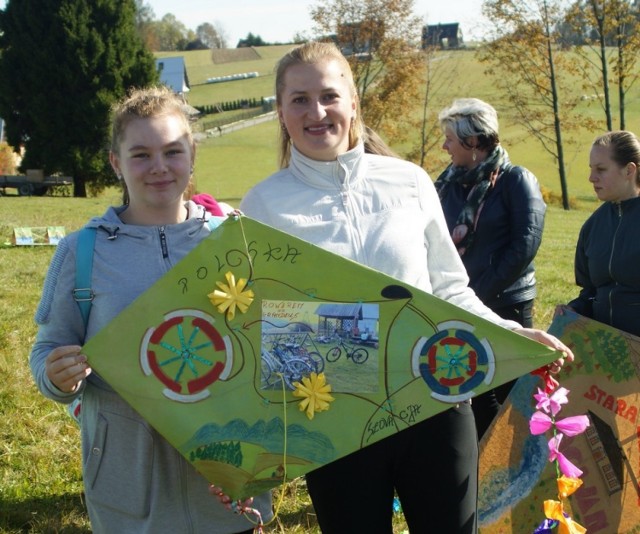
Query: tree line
[169, 34]
[527, 45]
[63, 64]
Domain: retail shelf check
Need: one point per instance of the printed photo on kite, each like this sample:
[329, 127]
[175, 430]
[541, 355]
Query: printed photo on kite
[300, 338]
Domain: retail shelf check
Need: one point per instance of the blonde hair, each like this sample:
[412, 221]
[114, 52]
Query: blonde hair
[144, 103]
[373, 144]
[312, 53]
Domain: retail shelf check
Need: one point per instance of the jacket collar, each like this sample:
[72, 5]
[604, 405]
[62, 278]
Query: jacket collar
[342, 172]
[110, 222]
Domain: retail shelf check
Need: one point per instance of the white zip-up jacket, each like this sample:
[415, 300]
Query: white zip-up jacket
[380, 211]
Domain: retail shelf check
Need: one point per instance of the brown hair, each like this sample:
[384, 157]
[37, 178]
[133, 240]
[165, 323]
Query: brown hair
[144, 103]
[624, 148]
[312, 53]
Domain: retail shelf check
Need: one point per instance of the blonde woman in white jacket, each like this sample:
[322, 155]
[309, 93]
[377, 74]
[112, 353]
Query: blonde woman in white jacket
[384, 213]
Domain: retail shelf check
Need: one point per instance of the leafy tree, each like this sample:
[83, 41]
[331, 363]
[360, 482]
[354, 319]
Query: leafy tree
[440, 78]
[524, 57]
[7, 159]
[599, 12]
[223, 36]
[209, 35]
[591, 19]
[145, 22]
[379, 38]
[62, 66]
[626, 30]
[251, 40]
[196, 45]
[610, 31]
[300, 38]
[172, 34]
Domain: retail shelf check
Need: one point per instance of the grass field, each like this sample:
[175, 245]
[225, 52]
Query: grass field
[523, 148]
[40, 485]
[40, 477]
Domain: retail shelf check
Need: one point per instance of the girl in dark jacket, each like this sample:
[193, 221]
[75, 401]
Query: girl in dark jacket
[495, 213]
[607, 254]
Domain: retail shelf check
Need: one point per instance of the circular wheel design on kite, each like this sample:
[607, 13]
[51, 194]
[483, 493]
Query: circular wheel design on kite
[186, 353]
[453, 361]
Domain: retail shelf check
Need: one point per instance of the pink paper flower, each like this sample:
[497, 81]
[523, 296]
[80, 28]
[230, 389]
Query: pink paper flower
[551, 403]
[569, 426]
[565, 466]
[539, 423]
[572, 426]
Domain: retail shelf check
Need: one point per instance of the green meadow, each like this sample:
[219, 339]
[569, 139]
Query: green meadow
[40, 472]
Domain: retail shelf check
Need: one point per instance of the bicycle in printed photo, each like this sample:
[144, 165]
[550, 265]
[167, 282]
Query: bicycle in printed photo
[357, 354]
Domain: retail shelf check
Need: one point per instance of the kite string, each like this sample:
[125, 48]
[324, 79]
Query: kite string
[246, 245]
[246, 510]
[280, 500]
[284, 450]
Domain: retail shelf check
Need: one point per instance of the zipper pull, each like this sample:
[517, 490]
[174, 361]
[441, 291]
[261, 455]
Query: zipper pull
[163, 243]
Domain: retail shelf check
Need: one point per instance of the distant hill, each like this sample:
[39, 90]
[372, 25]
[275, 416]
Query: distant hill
[204, 64]
[229, 55]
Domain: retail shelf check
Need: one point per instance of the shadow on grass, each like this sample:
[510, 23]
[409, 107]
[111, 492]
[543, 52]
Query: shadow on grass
[301, 520]
[60, 514]
[66, 514]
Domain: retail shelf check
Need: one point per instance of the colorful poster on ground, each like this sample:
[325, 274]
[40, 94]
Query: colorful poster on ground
[37, 235]
[516, 476]
[213, 353]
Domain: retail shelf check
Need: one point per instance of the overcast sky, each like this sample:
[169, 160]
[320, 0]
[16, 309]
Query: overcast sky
[280, 20]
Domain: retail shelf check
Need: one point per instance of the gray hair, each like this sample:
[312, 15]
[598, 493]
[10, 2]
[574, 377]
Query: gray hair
[469, 117]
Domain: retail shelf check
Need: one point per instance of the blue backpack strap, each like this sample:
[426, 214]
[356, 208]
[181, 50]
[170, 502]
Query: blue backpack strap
[83, 294]
[215, 221]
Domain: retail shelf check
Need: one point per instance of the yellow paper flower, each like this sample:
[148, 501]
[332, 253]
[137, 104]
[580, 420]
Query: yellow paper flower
[232, 295]
[568, 486]
[315, 394]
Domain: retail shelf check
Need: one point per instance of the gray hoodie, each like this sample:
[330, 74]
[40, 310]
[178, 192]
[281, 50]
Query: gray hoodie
[135, 481]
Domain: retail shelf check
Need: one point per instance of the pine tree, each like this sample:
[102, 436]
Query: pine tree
[63, 64]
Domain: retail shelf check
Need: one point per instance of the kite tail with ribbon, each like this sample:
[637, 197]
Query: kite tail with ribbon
[237, 508]
[548, 404]
[242, 507]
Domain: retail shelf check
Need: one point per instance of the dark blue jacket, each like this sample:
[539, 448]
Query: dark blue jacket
[508, 234]
[607, 266]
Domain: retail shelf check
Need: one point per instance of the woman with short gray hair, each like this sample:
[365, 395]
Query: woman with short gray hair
[495, 213]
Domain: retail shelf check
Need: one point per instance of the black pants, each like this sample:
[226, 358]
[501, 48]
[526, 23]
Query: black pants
[487, 405]
[433, 467]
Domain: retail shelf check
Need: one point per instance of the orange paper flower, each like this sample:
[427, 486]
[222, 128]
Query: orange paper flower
[568, 486]
[566, 525]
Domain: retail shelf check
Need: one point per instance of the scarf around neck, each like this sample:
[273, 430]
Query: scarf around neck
[480, 180]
